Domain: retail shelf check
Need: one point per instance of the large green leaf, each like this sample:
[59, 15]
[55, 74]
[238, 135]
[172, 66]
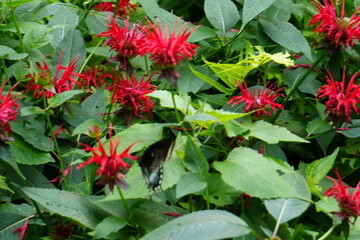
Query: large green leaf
[95, 105]
[34, 39]
[108, 226]
[250, 172]
[189, 82]
[62, 23]
[190, 183]
[201, 225]
[67, 204]
[288, 36]
[285, 209]
[60, 98]
[272, 134]
[252, 9]
[222, 14]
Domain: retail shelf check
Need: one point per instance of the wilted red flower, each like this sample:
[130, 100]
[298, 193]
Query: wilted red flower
[124, 8]
[130, 94]
[22, 229]
[342, 96]
[349, 203]
[62, 231]
[61, 176]
[167, 50]
[258, 99]
[110, 165]
[338, 30]
[43, 82]
[124, 40]
[8, 111]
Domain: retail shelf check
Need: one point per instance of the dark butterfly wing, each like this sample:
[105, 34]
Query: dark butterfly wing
[151, 162]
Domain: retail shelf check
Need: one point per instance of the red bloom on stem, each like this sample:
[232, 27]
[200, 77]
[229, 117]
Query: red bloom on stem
[167, 50]
[342, 96]
[124, 40]
[22, 229]
[8, 111]
[258, 99]
[338, 30]
[130, 94]
[94, 77]
[110, 165]
[124, 8]
[43, 82]
[349, 203]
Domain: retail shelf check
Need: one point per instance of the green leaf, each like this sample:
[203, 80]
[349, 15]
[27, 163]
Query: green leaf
[272, 134]
[7, 156]
[220, 193]
[34, 39]
[24, 27]
[317, 126]
[201, 225]
[17, 3]
[60, 98]
[3, 184]
[190, 183]
[233, 128]
[109, 225]
[67, 204]
[189, 82]
[222, 14]
[5, 51]
[30, 110]
[62, 24]
[252, 9]
[353, 129]
[84, 128]
[95, 105]
[248, 171]
[26, 154]
[225, 116]
[318, 169]
[285, 34]
[283, 210]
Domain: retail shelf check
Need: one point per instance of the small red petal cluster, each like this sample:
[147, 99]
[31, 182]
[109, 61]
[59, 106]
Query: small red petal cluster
[8, 106]
[62, 231]
[130, 93]
[110, 165]
[22, 229]
[338, 30]
[342, 96]
[124, 7]
[94, 77]
[43, 82]
[258, 99]
[349, 203]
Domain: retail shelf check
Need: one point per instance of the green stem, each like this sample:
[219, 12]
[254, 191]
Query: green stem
[5, 70]
[327, 233]
[57, 148]
[123, 200]
[297, 84]
[18, 31]
[203, 160]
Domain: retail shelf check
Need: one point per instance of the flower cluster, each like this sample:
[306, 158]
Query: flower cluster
[43, 83]
[337, 30]
[110, 165]
[349, 203]
[342, 96]
[130, 93]
[8, 106]
[167, 49]
[124, 7]
[258, 100]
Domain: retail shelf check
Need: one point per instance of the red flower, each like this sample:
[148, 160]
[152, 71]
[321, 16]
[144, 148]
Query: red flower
[338, 30]
[94, 77]
[257, 99]
[349, 203]
[110, 165]
[63, 231]
[8, 111]
[43, 82]
[22, 229]
[342, 96]
[124, 40]
[131, 95]
[124, 8]
[167, 50]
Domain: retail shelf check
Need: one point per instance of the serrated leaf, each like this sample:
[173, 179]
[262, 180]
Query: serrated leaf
[318, 169]
[234, 128]
[201, 225]
[288, 36]
[190, 183]
[34, 39]
[60, 98]
[108, 226]
[67, 204]
[248, 171]
[62, 23]
[222, 14]
[252, 9]
[3, 184]
[273, 134]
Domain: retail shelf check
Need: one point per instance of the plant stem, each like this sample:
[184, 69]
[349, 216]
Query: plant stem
[22, 46]
[327, 233]
[203, 160]
[123, 200]
[276, 229]
[297, 84]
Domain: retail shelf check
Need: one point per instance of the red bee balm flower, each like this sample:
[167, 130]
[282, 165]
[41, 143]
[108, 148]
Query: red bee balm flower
[349, 203]
[337, 30]
[8, 111]
[124, 8]
[43, 82]
[167, 49]
[257, 99]
[342, 96]
[110, 164]
[131, 95]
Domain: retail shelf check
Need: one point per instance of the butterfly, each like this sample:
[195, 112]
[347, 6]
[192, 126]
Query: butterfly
[152, 160]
